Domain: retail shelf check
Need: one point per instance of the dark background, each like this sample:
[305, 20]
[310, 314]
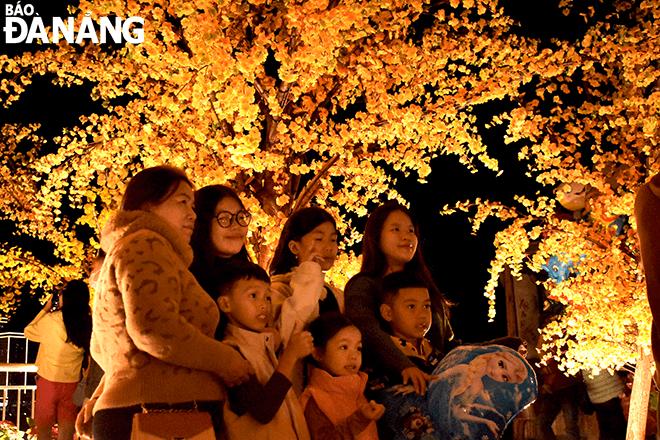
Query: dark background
[458, 259]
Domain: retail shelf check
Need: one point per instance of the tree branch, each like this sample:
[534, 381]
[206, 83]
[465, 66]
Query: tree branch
[271, 123]
[191, 78]
[13, 194]
[604, 247]
[264, 193]
[313, 185]
[225, 126]
[326, 101]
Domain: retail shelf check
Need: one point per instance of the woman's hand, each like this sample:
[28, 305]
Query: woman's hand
[49, 304]
[85, 419]
[417, 379]
[238, 370]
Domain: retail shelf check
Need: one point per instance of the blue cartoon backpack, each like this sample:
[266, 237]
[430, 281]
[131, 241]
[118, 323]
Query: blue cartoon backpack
[479, 390]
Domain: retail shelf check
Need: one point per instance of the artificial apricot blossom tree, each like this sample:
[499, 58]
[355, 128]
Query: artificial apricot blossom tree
[293, 102]
[289, 102]
[589, 132]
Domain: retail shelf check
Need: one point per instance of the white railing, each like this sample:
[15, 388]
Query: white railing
[15, 374]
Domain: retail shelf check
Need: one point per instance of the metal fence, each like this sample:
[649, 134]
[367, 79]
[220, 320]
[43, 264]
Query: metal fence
[17, 379]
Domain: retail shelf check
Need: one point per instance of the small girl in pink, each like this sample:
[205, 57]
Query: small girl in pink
[333, 401]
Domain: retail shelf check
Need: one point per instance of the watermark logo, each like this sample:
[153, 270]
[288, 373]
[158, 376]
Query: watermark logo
[109, 29]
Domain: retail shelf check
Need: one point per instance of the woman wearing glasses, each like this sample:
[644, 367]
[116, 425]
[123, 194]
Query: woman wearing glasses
[153, 325]
[220, 232]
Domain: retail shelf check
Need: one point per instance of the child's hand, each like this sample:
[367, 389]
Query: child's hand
[417, 379]
[301, 343]
[314, 256]
[372, 410]
[237, 371]
[404, 389]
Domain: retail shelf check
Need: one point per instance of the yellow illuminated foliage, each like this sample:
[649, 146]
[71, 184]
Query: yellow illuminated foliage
[294, 102]
[290, 102]
[591, 118]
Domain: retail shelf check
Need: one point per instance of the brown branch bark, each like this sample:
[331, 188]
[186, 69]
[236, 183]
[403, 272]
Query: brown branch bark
[13, 195]
[197, 72]
[88, 148]
[24, 71]
[271, 123]
[226, 129]
[262, 188]
[36, 263]
[326, 101]
[313, 185]
[604, 247]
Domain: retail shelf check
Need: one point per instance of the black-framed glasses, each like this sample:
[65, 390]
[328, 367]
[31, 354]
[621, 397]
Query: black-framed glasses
[226, 218]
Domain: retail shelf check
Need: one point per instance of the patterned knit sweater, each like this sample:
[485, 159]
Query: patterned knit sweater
[153, 325]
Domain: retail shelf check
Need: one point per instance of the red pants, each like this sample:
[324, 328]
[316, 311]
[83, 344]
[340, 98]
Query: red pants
[54, 402]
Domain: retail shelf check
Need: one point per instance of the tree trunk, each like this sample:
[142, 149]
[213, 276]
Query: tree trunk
[510, 291]
[639, 400]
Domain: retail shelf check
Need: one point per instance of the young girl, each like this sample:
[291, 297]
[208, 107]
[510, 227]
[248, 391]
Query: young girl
[391, 244]
[64, 332]
[307, 248]
[220, 231]
[153, 324]
[334, 401]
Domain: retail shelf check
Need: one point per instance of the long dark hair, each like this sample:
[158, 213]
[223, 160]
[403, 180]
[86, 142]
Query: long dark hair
[301, 223]
[374, 261]
[76, 313]
[204, 258]
[152, 186]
